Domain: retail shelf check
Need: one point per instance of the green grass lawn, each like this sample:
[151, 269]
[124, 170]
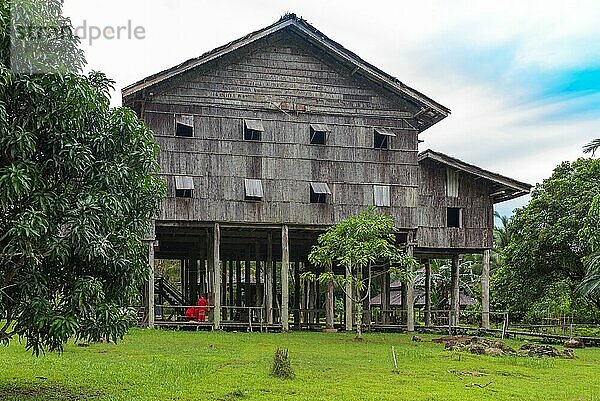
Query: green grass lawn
[178, 365]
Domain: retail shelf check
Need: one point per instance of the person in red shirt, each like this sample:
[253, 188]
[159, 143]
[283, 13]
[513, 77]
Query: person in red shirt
[198, 312]
[203, 308]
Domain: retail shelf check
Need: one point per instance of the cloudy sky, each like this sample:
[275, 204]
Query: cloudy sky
[522, 78]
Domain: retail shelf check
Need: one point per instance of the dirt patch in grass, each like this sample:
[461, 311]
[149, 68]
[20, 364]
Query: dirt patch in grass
[33, 392]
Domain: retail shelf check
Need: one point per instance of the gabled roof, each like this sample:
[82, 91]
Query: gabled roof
[430, 113]
[504, 188]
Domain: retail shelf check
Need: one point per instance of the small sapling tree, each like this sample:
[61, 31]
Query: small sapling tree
[366, 241]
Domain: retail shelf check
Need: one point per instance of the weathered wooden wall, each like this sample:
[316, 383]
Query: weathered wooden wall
[288, 84]
[474, 200]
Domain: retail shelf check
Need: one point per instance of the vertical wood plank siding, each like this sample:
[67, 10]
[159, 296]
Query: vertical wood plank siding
[474, 200]
[287, 85]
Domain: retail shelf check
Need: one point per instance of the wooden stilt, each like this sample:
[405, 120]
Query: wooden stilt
[224, 267]
[216, 268]
[385, 298]
[276, 303]
[366, 299]
[311, 302]
[231, 293]
[410, 293]
[238, 286]
[329, 303]
[304, 298]
[485, 290]
[285, 280]
[150, 287]
[348, 297]
[193, 280]
[247, 274]
[428, 292]
[455, 294]
[317, 298]
[297, 295]
[269, 280]
[404, 301]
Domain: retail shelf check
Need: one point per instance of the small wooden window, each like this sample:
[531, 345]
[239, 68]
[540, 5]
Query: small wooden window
[184, 187]
[318, 134]
[253, 189]
[454, 217]
[381, 138]
[319, 192]
[451, 182]
[184, 126]
[381, 195]
[253, 130]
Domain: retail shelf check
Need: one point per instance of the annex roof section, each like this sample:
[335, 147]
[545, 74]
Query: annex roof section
[504, 188]
[430, 111]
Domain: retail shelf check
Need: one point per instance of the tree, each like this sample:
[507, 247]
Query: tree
[548, 246]
[364, 241]
[591, 282]
[592, 147]
[78, 186]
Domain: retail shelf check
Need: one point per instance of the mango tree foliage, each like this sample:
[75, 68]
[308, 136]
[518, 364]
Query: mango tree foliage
[366, 240]
[550, 240]
[78, 187]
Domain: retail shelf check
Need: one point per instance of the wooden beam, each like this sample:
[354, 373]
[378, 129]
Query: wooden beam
[285, 271]
[485, 290]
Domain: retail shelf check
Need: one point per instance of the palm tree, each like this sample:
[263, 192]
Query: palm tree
[592, 147]
[591, 282]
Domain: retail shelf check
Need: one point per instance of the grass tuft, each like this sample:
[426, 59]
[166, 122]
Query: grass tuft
[282, 367]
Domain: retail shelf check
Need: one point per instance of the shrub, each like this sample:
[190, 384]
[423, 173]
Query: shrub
[282, 367]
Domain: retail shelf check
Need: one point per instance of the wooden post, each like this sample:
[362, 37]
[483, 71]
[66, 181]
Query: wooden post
[193, 280]
[247, 274]
[428, 292]
[285, 271]
[216, 268]
[224, 267]
[238, 284]
[231, 289]
[297, 295]
[150, 292]
[404, 302]
[269, 280]
[258, 272]
[455, 294]
[485, 290]
[365, 295]
[183, 279]
[329, 303]
[210, 273]
[349, 304]
[385, 297]
[410, 293]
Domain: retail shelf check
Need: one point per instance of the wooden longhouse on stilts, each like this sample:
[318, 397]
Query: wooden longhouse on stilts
[267, 141]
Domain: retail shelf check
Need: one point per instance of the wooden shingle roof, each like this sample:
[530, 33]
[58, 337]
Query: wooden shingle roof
[504, 188]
